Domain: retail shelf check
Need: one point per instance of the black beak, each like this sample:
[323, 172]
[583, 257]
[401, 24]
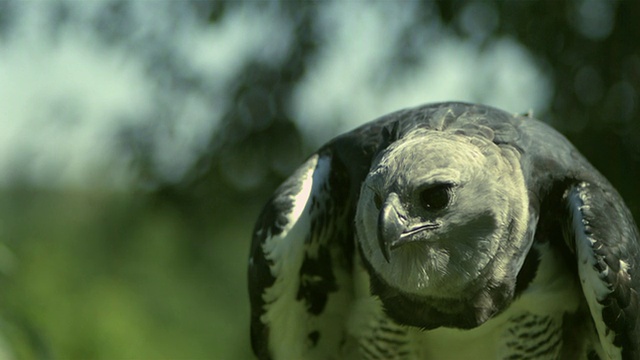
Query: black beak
[394, 229]
[391, 224]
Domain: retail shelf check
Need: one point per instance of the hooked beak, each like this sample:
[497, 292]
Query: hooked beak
[394, 229]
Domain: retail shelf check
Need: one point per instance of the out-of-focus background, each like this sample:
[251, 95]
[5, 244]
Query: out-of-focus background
[139, 140]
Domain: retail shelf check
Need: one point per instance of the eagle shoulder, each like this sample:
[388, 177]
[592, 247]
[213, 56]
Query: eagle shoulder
[299, 265]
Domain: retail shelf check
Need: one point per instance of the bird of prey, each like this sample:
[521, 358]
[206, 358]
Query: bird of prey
[446, 231]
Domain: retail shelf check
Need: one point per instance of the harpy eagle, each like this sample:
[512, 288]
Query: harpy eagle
[446, 231]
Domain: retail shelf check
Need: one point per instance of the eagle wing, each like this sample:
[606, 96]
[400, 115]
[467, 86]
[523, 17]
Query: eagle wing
[605, 240]
[596, 228]
[299, 264]
[301, 259]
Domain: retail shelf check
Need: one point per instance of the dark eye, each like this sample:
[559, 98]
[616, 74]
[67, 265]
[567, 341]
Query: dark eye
[436, 197]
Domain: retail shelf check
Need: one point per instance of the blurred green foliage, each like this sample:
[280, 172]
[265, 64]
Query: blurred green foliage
[114, 276]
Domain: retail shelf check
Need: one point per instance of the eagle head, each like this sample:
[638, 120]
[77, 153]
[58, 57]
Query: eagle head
[441, 225]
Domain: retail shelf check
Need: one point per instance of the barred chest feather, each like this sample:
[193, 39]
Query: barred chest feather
[531, 328]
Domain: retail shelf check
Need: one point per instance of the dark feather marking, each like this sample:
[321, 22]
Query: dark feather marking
[546, 336]
[534, 337]
[394, 342]
[383, 341]
[314, 336]
[386, 334]
[261, 278]
[316, 281]
[387, 329]
[373, 348]
[528, 271]
[593, 355]
[317, 278]
[551, 348]
[519, 318]
[368, 353]
[380, 349]
[536, 334]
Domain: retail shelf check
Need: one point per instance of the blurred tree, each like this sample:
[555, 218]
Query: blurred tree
[589, 47]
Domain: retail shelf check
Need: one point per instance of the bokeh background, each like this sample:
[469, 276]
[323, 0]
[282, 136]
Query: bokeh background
[139, 140]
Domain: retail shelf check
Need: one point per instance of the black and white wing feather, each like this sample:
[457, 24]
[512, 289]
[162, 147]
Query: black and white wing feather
[605, 240]
[598, 230]
[302, 252]
[296, 289]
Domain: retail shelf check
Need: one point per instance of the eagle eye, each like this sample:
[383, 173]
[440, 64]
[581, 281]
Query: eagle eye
[436, 197]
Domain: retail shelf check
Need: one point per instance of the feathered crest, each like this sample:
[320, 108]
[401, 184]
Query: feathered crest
[389, 134]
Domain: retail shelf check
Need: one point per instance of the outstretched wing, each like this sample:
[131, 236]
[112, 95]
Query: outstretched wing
[606, 243]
